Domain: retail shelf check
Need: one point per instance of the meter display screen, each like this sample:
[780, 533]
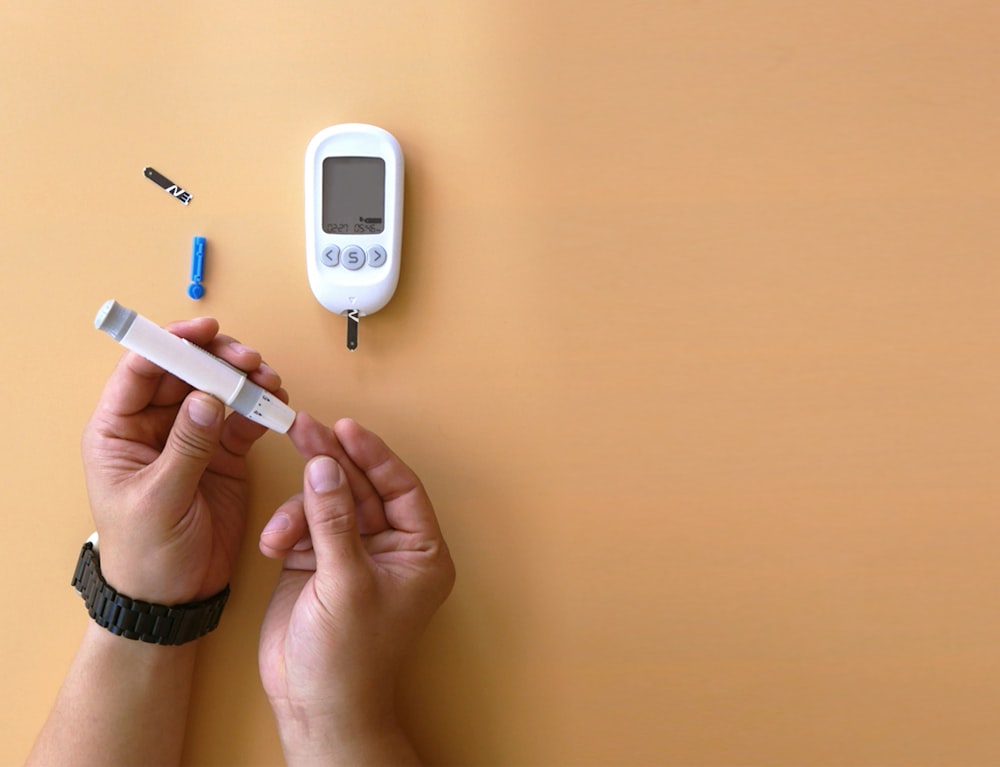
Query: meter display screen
[353, 195]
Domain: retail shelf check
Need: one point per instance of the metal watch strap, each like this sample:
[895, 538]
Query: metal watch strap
[135, 619]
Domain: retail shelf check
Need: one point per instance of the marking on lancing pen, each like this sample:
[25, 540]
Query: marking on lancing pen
[167, 185]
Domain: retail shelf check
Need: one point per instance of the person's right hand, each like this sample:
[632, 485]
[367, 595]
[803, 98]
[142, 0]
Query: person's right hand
[347, 605]
[167, 473]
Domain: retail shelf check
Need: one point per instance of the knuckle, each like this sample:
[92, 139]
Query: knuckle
[441, 566]
[334, 517]
[190, 444]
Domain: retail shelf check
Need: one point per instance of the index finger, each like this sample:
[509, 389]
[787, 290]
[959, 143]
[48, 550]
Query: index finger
[406, 503]
[311, 438]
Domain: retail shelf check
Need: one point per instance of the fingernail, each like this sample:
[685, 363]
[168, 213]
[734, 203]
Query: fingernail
[324, 474]
[278, 523]
[202, 411]
[236, 346]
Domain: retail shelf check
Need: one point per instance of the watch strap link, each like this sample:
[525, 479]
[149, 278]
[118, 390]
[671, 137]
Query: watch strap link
[136, 619]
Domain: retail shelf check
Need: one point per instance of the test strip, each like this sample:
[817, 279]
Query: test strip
[167, 185]
[353, 319]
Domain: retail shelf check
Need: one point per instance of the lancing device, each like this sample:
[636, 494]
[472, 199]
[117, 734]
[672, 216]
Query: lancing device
[194, 365]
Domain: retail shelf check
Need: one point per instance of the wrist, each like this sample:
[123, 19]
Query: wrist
[146, 570]
[349, 735]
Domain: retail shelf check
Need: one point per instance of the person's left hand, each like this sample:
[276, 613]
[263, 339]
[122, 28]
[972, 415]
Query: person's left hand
[365, 566]
[167, 475]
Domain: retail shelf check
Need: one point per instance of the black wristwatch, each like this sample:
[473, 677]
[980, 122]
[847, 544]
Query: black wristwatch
[135, 619]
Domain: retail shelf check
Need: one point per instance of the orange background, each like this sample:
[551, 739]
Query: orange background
[694, 347]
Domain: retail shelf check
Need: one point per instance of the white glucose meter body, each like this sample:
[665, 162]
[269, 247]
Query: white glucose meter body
[354, 218]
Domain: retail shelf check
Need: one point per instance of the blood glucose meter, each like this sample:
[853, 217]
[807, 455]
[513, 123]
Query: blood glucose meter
[354, 219]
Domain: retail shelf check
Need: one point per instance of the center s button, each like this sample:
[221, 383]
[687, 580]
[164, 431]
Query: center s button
[352, 257]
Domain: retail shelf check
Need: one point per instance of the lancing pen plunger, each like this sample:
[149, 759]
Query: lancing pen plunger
[194, 365]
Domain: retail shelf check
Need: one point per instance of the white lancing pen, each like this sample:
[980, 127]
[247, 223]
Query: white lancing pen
[194, 365]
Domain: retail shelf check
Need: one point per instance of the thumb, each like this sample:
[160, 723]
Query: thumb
[333, 524]
[192, 441]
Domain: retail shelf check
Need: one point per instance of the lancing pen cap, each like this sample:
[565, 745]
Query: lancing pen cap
[194, 365]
